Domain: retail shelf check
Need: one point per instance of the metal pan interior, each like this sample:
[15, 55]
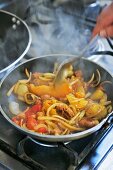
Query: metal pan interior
[15, 40]
[46, 64]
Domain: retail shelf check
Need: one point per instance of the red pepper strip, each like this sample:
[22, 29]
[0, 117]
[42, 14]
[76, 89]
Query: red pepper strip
[31, 112]
[16, 120]
[31, 123]
[36, 108]
[42, 130]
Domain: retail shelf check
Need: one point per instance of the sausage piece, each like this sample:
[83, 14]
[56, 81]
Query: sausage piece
[88, 122]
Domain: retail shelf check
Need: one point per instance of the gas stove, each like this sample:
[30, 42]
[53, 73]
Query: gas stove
[51, 34]
[20, 151]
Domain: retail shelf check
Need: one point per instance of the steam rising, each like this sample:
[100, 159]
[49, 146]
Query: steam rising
[54, 30]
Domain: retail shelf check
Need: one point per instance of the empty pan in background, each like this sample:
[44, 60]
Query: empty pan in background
[15, 40]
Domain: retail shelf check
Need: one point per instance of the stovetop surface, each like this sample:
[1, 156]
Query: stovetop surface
[18, 151]
[14, 146]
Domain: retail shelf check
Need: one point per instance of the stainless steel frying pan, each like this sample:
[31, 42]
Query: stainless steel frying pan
[15, 40]
[45, 64]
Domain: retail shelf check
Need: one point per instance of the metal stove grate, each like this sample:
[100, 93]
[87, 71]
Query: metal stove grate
[68, 156]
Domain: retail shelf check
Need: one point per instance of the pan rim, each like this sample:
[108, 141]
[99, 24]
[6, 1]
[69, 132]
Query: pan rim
[28, 45]
[47, 55]
[53, 138]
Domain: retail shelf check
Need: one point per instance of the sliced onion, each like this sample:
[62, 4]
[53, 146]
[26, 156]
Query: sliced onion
[14, 108]
[30, 98]
[11, 90]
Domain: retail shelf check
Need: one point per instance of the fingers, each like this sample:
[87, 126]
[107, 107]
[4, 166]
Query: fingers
[97, 30]
[107, 32]
[104, 26]
[106, 21]
[104, 32]
[106, 16]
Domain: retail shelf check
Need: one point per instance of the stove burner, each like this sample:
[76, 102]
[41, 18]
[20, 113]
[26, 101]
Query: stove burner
[66, 155]
[38, 155]
[60, 148]
[47, 144]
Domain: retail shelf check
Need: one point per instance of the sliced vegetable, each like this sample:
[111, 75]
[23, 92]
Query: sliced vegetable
[61, 90]
[31, 123]
[14, 108]
[21, 89]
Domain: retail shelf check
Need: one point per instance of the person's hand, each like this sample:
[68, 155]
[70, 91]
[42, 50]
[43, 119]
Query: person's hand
[104, 25]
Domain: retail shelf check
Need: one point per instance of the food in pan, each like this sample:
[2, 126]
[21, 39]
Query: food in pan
[73, 106]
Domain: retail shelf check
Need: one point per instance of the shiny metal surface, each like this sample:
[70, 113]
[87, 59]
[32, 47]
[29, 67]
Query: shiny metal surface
[99, 152]
[55, 159]
[38, 64]
[15, 40]
[63, 65]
